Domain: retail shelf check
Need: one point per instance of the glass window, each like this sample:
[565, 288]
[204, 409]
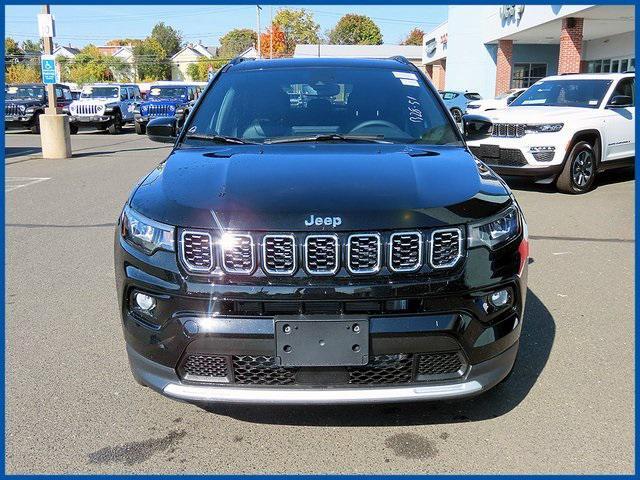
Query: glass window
[624, 65]
[449, 95]
[59, 95]
[473, 96]
[526, 74]
[67, 94]
[167, 92]
[100, 92]
[625, 87]
[564, 93]
[296, 102]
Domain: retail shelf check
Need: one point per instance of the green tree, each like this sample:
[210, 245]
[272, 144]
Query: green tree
[199, 71]
[90, 66]
[236, 41]
[414, 37]
[32, 51]
[123, 42]
[168, 38]
[354, 29]
[151, 60]
[12, 52]
[298, 27]
[22, 73]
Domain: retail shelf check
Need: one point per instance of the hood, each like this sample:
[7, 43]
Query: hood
[26, 102]
[489, 103]
[278, 187]
[538, 114]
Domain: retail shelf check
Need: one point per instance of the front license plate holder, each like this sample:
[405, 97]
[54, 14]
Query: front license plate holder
[321, 342]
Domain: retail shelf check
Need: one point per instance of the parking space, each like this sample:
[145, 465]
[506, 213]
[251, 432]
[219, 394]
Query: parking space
[72, 405]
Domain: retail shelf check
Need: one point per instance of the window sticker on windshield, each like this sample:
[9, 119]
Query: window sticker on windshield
[409, 75]
[415, 113]
[154, 91]
[12, 90]
[534, 101]
[411, 83]
[593, 102]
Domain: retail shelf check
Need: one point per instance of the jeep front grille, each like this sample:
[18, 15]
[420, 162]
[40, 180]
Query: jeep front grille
[405, 251]
[158, 110]
[364, 253]
[237, 253]
[11, 109]
[197, 251]
[512, 130]
[279, 254]
[446, 247]
[86, 109]
[322, 253]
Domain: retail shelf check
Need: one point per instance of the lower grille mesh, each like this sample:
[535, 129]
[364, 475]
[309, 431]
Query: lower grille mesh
[260, 370]
[439, 363]
[205, 368]
[385, 369]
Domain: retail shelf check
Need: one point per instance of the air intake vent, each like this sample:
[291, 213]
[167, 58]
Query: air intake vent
[197, 251]
[279, 254]
[405, 251]
[513, 130]
[237, 253]
[364, 253]
[446, 247]
[322, 253]
[205, 368]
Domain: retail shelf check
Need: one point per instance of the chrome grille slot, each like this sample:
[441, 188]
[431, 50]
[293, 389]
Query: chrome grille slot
[197, 251]
[11, 109]
[364, 253]
[322, 254]
[446, 247]
[86, 109]
[511, 130]
[405, 251]
[158, 110]
[279, 254]
[237, 253]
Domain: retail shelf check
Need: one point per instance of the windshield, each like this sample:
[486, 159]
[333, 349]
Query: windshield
[24, 92]
[564, 93]
[167, 92]
[289, 103]
[100, 92]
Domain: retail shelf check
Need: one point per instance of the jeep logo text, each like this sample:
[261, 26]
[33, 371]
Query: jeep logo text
[319, 221]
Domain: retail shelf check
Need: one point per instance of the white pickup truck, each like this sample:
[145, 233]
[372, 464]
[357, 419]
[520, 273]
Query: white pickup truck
[564, 129]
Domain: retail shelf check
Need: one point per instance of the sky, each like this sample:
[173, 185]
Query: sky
[80, 25]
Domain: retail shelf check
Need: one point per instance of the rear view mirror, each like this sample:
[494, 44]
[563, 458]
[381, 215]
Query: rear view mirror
[476, 127]
[162, 129]
[621, 101]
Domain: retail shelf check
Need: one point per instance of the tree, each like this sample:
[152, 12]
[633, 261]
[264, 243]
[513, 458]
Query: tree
[236, 41]
[276, 35]
[90, 66]
[12, 51]
[22, 73]
[199, 71]
[298, 26]
[414, 37]
[151, 60]
[123, 42]
[354, 29]
[169, 39]
[29, 46]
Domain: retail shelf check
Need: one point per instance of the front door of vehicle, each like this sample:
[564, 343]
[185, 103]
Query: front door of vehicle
[620, 141]
[126, 104]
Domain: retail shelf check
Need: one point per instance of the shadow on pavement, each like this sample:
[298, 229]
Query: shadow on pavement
[111, 152]
[538, 333]
[10, 152]
[618, 175]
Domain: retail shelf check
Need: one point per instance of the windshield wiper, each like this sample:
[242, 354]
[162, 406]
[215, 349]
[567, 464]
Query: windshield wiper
[218, 139]
[330, 138]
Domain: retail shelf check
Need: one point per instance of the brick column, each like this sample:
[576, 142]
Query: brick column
[570, 45]
[428, 69]
[504, 66]
[438, 75]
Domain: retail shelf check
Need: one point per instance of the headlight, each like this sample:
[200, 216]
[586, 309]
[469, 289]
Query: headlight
[180, 111]
[108, 109]
[21, 108]
[171, 108]
[496, 232]
[30, 110]
[146, 234]
[544, 128]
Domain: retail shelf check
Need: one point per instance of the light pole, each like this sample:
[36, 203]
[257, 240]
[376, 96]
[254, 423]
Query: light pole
[258, 8]
[271, 34]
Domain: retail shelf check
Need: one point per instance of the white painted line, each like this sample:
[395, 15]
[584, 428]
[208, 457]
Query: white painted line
[14, 183]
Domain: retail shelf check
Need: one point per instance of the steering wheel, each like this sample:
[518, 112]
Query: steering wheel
[371, 123]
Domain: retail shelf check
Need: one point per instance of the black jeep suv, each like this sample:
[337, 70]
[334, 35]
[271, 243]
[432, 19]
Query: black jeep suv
[348, 248]
[24, 103]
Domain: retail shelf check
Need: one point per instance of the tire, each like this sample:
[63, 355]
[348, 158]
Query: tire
[140, 128]
[116, 125]
[35, 128]
[579, 172]
[73, 129]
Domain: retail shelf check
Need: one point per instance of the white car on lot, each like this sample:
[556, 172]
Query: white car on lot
[105, 106]
[501, 101]
[564, 128]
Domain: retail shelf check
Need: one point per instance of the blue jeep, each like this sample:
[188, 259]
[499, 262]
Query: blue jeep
[166, 100]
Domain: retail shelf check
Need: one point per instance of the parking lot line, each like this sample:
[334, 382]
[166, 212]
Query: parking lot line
[14, 183]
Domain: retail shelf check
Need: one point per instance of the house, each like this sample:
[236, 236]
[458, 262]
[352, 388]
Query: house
[65, 51]
[191, 53]
[413, 53]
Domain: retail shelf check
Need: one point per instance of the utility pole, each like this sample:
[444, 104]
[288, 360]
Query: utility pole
[258, 8]
[52, 109]
[271, 34]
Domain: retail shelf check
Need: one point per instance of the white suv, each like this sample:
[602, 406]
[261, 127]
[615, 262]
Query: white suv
[565, 129]
[105, 106]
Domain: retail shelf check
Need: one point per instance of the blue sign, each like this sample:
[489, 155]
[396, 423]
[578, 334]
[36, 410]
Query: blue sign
[49, 71]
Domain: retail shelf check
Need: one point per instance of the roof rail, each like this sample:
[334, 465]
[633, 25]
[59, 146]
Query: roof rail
[401, 59]
[237, 60]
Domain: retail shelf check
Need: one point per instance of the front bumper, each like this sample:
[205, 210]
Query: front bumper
[18, 121]
[91, 120]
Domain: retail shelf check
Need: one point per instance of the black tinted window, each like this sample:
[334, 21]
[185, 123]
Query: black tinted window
[565, 93]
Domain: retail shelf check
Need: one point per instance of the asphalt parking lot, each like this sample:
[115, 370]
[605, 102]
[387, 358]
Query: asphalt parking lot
[72, 405]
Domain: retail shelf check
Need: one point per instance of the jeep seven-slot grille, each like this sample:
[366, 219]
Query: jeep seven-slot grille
[446, 247]
[86, 109]
[511, 130]
[197, 251]
[237, 253]
[321, 254]
[363, 253]
[279, 254]
[405, 251]
[158, 110]
[11, 109]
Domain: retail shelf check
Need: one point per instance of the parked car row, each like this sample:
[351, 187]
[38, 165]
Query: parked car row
[103, 106]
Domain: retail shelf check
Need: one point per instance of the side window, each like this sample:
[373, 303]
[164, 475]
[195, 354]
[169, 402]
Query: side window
[67, 94]
[138, 95]
[59, 93]
[124, 95]
[625, 87]
[191, 93]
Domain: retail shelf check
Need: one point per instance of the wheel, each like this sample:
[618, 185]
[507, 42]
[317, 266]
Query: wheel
[35, 128]
[579, 171]
[140, 128]
[457, 116]
[73, 129]
[116, 125]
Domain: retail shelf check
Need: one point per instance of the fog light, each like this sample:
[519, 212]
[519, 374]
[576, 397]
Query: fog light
[145, 302]
[499, 299]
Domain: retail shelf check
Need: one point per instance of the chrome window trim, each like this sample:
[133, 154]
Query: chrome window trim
[306, 255]
[185, 263]
[420, 248]
[444, 230]
[264, 253]
[253, 255]
[378, 265]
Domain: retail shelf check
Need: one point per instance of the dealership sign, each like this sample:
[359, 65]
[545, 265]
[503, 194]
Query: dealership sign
[511, 11]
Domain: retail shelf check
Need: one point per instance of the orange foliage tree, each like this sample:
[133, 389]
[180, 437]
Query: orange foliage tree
[279, 42]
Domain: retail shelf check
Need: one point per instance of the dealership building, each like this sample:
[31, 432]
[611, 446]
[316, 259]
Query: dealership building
[492, 48]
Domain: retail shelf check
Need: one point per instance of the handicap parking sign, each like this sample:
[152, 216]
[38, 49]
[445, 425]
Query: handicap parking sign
[49, 71]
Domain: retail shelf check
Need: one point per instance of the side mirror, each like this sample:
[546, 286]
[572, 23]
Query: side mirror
[476, 127]
[620, 101]
[162, 129]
